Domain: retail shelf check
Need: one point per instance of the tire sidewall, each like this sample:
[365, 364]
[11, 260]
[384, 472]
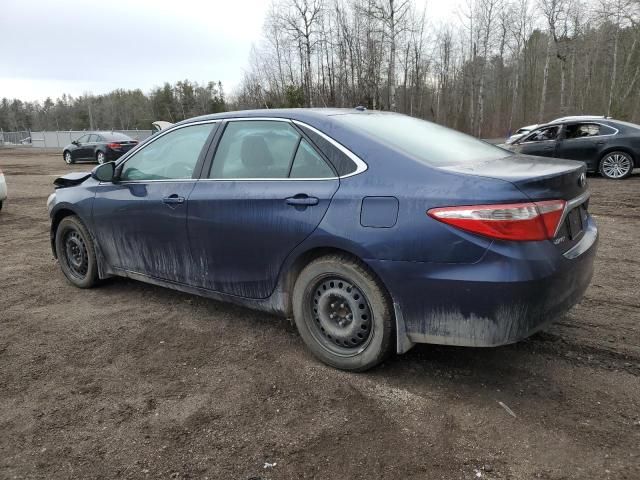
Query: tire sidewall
[618, 152]
[73, 223]
[382, 325]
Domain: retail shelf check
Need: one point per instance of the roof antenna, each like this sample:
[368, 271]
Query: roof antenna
[360, 108]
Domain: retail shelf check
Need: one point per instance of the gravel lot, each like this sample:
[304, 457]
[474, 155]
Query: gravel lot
[134, 381]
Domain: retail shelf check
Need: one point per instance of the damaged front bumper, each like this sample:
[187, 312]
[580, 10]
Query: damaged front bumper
[507, 296]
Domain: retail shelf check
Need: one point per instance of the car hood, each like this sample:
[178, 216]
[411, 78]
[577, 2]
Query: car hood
[71, 179]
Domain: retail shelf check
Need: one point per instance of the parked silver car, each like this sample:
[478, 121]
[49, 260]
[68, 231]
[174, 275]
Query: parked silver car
[3, 189]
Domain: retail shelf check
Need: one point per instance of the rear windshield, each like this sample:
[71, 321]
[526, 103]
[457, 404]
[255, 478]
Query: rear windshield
[428, 142]
[116, 137]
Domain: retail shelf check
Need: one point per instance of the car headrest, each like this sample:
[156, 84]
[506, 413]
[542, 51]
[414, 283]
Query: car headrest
[255, 153]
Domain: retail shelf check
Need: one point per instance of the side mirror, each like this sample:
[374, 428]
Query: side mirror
[75, 142]
[104, 172]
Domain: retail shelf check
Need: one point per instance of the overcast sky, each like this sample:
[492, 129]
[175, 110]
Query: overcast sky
[51, 47]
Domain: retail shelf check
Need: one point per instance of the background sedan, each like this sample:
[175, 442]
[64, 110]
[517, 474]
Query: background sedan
[610, 147]
[99, 147]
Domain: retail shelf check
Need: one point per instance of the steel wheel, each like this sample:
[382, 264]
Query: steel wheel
[616, 165]
[101, 158]
[67, 158]
[76, 256]
[342, 319]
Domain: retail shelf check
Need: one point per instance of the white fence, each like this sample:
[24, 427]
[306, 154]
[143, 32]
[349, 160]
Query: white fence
[58, 139]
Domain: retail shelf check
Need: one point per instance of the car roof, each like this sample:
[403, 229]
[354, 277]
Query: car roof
[291, 113]
[579, 117]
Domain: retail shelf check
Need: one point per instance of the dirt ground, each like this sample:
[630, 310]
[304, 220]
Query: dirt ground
[129, 380]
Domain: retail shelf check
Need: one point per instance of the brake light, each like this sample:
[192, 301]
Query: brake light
[113, 146]
[515, 221]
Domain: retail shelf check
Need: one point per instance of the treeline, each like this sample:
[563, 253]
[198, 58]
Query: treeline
[500, 65]
[120, 109]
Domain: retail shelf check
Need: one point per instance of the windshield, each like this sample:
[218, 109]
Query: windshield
[425, 141]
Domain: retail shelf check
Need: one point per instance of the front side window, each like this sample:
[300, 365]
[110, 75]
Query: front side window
[83, 139]
[172, 156]
[93, 138]
[543, 134]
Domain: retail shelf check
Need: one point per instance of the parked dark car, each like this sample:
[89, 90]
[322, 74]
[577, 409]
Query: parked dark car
[609, 147]
[372, 230]
[99, 147]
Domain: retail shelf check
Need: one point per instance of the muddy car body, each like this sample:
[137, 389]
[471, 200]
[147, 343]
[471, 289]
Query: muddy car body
[383, 235]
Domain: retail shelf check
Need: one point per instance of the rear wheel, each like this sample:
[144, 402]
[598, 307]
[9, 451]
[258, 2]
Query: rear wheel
[343, 313]
[68, 158]
[76, 254]
[616, 165]
[100, 157]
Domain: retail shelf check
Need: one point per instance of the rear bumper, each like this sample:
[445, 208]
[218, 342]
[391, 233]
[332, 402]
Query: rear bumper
[113, 154]
[512, 292]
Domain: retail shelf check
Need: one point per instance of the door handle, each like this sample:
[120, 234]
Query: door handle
[173, 199]
[600, 142]
[302, 200]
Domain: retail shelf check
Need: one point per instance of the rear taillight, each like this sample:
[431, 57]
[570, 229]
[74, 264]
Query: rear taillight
[516, 221]
[113, 146]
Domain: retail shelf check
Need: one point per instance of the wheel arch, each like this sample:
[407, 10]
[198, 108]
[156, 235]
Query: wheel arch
[56, 218]
[291, 272]
[629, 151]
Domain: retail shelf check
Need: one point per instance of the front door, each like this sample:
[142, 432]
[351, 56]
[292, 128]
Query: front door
[541, 142]
[141, 220]
[267, 191]
[82, 151]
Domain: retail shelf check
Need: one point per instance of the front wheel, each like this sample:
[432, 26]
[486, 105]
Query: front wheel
[76, 254]
[616, 165]
[101, 158]
[343, 313]
[68, 158]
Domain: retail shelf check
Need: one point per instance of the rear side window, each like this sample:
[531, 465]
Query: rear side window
[581, 130]
[427, 142]
[309, 164]
[266, 149]
[340, 161]
[172, 156]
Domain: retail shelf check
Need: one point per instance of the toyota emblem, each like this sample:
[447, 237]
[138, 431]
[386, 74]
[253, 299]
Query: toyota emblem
[582, 181]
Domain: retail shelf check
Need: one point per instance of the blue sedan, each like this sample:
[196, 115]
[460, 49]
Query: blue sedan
[374, 231]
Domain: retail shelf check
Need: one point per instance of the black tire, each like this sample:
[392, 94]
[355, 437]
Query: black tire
[68, 159]
[73, 240]
[1, 204]
[616, 165]
[101, 157]
[326, 293]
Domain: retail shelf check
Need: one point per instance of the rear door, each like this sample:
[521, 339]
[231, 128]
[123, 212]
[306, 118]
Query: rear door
[583, 141]
[541, 142]
[141, 220]
[266, 191]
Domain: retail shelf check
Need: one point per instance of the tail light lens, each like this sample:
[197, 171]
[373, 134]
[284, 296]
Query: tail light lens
[113, 146]
[528, 221]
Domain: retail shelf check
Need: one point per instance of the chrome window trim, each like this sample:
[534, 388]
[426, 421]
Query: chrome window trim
[361, 166]
[571, 204]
